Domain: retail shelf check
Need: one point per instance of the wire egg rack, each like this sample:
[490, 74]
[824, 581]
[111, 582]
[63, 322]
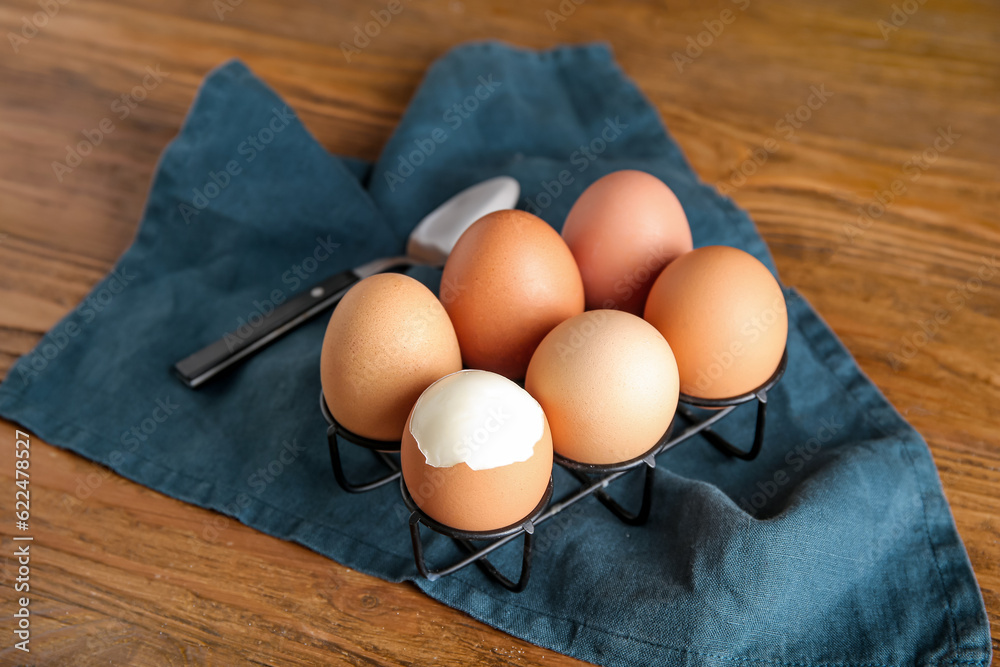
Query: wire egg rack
[593, 480]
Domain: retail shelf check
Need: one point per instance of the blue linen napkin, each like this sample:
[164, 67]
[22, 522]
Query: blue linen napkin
[835, 547]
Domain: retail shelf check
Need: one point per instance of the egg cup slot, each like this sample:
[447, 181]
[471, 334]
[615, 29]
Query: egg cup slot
[585, 473]
[380, 448]
[465, 538]
[593, 479]
[588, 474]
[730, 404]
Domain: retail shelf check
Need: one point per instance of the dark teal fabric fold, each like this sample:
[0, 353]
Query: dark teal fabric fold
[835, 547]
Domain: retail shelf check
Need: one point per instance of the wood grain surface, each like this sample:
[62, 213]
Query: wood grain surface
[122, 575]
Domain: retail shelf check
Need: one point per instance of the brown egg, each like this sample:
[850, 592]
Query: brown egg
[724, 315]
[476, 452]
[387, 341]
[509, 280]
[623, 230]
[607, 381]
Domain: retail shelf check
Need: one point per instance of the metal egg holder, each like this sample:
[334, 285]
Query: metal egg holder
[593, 480]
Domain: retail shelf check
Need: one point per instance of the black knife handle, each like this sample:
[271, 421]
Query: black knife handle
[235, 345]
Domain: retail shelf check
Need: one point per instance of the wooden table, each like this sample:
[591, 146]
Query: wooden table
[122, 574]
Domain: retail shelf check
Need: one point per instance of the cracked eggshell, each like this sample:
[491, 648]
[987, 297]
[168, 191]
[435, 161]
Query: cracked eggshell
[451, 420]
[388, 339]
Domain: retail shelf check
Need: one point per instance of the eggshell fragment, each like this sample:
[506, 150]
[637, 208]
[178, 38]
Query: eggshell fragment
[607, 381]
[724, 315]
[387, 341]
[479, 427]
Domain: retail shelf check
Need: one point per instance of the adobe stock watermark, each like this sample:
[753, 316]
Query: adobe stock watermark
[696, 44]
[581, 158]
[363, 35]
[454, 117]
[899, 17]
[566, 9]
[433, 480]
[32, 25]
[223, 7]
[556, 527]
[449, 290]
[257, 482]
[795, 461]
[471, 442]
[414, 329]
[911, 171]
[131, 439]
[634, 280]
[246, 152]
[294, 278]
[121, 108]
[785, 127]
[904, 528]
[639, 277]
[956, 300]
[722, 360]
[59, 337]
[579, 333]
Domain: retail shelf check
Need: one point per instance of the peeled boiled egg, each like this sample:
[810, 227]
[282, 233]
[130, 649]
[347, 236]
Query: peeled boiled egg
[623, 230]
[508, 281]
[607, 381]
[387, 341]
[476, 452]
[724, 315]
